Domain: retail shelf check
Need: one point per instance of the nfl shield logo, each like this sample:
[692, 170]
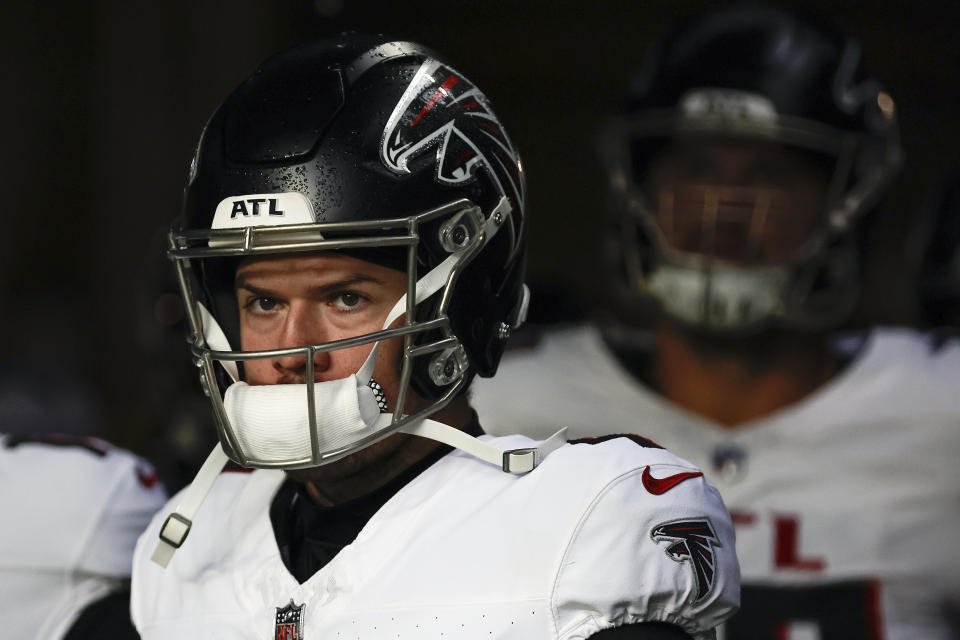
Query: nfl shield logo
[290, 622]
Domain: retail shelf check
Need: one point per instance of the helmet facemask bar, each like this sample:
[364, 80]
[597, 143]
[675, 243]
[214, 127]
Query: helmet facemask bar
[704, 290]
[852, 150]
[187, 247]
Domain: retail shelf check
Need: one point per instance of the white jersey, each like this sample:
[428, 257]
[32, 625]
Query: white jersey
[463, 551]
[70, 514]
[846, 504]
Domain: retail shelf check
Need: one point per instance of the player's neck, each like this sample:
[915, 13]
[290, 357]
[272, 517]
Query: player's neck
[734, 382]
[370, 469]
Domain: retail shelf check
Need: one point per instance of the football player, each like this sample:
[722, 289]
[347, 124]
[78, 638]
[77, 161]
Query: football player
[72, 509]
[752, 149]
[351, 252]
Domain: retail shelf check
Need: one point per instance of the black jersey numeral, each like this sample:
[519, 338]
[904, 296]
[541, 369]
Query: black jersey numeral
[839, 611]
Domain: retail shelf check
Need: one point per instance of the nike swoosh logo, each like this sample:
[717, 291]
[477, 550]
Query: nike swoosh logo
[659, 486]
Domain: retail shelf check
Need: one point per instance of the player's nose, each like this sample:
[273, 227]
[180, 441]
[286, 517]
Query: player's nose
[302, 327]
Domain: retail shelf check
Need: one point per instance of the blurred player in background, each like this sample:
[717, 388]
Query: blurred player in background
[71, 509]
[354, 225]
[753, 147]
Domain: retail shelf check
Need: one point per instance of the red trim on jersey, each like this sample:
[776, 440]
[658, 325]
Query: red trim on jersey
[147, 477]
[874, 610]
[437, 96]
[640, 440]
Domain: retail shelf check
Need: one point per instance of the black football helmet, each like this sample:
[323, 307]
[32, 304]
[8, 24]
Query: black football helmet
[375, 148]
[748, 78]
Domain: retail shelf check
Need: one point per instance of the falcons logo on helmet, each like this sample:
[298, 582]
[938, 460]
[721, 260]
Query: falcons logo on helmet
[442, 109]
[695, 542]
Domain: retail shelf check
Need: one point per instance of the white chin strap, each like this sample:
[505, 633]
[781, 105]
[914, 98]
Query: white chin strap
[271, 422]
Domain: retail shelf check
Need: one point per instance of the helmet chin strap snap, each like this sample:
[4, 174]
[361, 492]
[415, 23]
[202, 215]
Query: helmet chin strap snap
[178, 524]
[269, 431]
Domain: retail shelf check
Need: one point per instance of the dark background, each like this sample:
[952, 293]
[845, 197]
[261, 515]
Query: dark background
[103, 102]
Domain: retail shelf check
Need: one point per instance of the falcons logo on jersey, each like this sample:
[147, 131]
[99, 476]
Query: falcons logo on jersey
[441, 109]
[695, 542]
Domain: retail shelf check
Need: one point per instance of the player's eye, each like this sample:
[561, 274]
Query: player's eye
[347, 300]
[261, 304]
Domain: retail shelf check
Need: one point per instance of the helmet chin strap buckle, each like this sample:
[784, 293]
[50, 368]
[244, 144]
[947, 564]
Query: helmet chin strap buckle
[520, 460]
[175, 529]
[529, 458]
[516, 461]
[178, 524]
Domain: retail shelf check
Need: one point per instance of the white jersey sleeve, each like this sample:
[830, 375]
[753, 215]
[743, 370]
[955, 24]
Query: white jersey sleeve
[72, 509]
[656, 545]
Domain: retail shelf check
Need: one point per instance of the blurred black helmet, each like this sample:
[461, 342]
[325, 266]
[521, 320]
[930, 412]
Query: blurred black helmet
[379, 149]
[751, 145]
